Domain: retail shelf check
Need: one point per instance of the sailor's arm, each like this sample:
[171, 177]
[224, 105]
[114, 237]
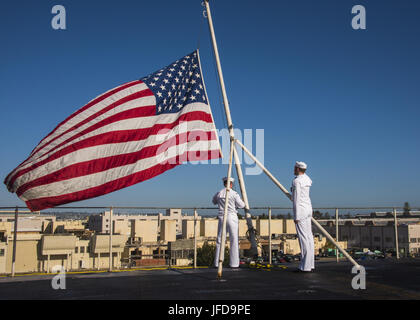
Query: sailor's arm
[295, 196]
[291, 190]
[238, 202]
[215, 198]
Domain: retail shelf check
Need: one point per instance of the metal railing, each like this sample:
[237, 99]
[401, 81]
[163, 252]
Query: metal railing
[10, 209]
[269, 210]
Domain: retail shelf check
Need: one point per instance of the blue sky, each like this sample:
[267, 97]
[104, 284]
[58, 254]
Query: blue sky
[344, 101]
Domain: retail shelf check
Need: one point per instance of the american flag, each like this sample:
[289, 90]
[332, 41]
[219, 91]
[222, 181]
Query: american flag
[127, 135]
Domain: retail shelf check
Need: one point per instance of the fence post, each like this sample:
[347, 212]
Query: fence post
[110, 240]
[195, 238]
[269, 234]
[336, 233]
[14, 241]
[396, 233]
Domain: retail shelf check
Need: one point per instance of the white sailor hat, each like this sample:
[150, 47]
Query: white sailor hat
[301, 165]
[231, 179]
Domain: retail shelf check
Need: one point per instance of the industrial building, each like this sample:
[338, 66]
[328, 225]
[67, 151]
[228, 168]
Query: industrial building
[378, 234]
[158, 239]
[137, 240]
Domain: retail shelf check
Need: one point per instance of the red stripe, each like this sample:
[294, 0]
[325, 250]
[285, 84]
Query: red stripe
[92, 103]
[49, 202]
[132, 113]
[87, 106]
[115, 137]
[127, 114]
[124, 115]
[102, 164]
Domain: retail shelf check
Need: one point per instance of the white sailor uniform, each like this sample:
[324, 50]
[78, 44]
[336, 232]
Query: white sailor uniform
[302, 210]
[232, 226]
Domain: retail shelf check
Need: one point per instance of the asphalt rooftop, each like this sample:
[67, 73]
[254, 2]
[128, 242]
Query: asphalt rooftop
[385, 279]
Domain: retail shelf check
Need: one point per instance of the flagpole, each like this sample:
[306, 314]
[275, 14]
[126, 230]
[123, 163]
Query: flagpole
[110, 239]
[230, 128]
[248, 217]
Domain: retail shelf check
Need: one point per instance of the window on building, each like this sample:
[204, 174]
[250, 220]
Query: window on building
[76, 250]
[136, 253]
[82, 249]
[413, 240]
[1, 252]
[388, 239]
[376, 239]
[156, 254]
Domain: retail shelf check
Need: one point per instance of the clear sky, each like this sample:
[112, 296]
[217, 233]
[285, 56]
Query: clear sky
[344, 101]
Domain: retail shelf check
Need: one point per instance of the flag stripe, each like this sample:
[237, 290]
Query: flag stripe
[129, 101]
[122, 141]
[93, 103]
[105, 163]
[125, 125]
[52, 201]
[112, 137]
[124, 115]
[95, 179]
[146, 111]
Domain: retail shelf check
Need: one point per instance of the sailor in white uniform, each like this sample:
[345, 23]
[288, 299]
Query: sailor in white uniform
[232, 227]
[302, 211]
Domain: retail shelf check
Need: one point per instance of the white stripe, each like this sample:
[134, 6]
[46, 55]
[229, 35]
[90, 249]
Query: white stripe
[130, 124]
[83, 115]
[122, 85]
[97, 179]
[92, 110]
[108, 150]
[140, 102]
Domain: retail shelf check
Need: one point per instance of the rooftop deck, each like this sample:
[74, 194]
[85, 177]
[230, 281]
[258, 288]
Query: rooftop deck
[385, 279]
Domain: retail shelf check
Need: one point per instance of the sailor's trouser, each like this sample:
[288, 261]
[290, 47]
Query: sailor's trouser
[306, 242]
[232, 228]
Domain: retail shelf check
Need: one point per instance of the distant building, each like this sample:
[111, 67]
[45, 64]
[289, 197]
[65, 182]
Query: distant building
[175, 214]
[377, 235]
[101, 222]
[400, 214]
[138, 240]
